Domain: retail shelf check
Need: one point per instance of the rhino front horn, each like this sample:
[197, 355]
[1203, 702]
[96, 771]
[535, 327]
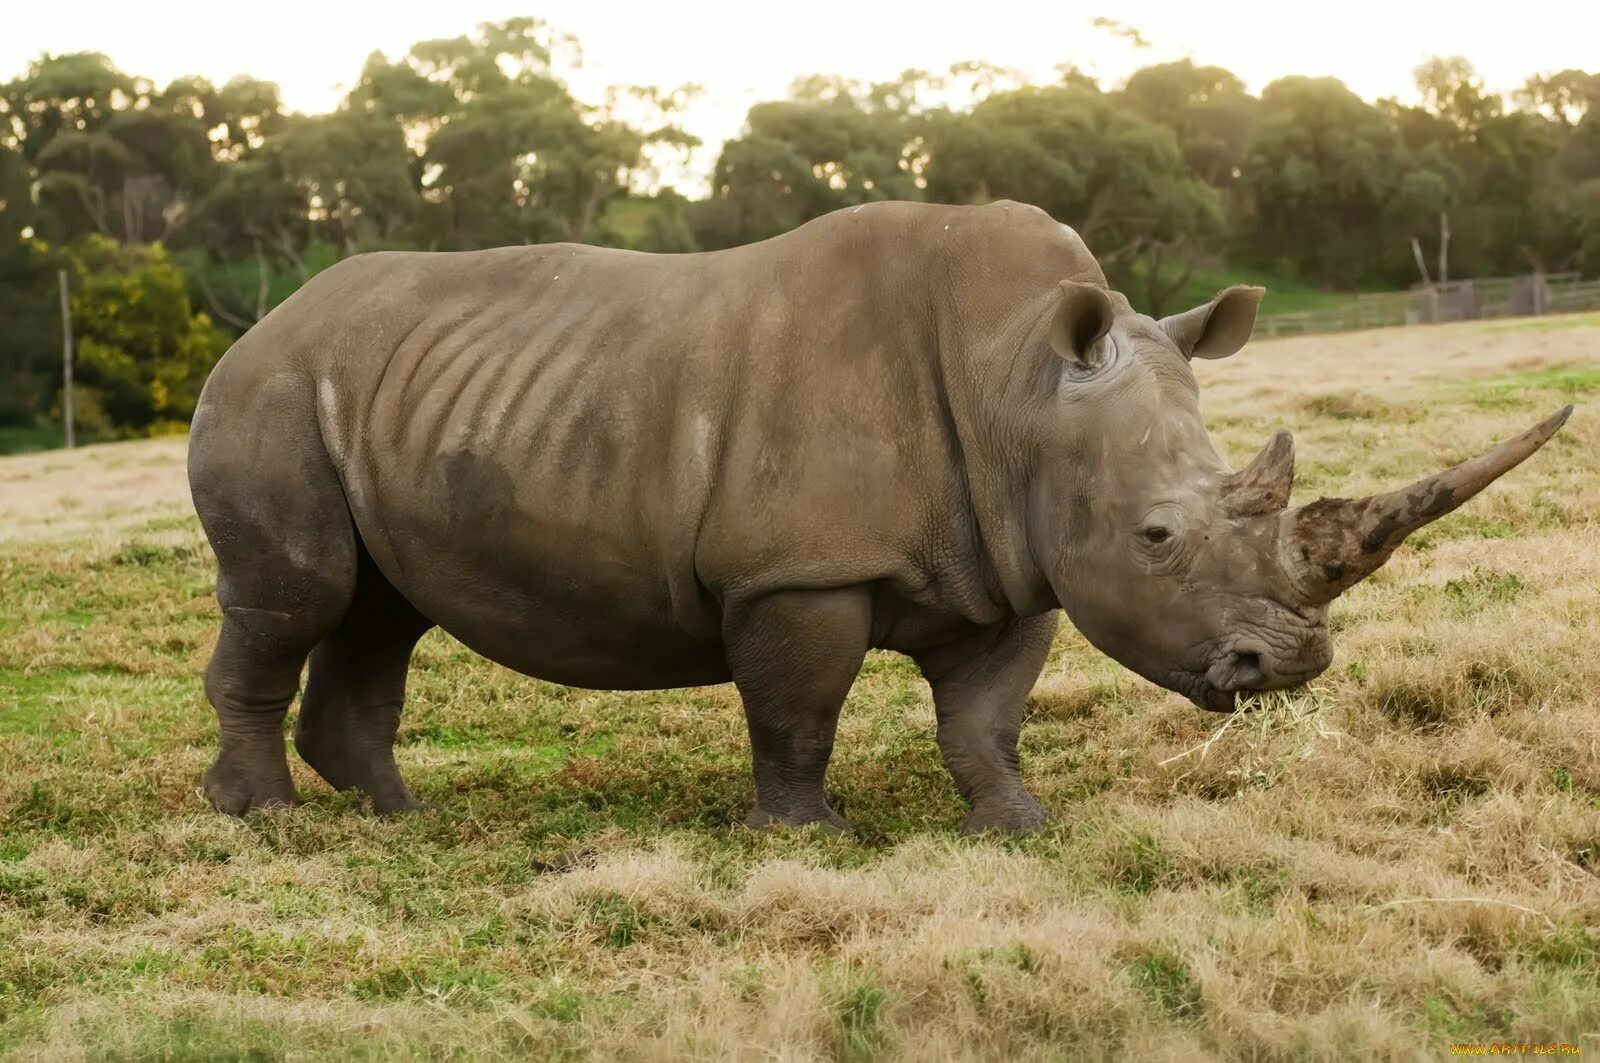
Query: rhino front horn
[1328, 546]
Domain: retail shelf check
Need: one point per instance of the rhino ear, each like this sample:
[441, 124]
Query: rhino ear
[1220, 327]
[1082, 320]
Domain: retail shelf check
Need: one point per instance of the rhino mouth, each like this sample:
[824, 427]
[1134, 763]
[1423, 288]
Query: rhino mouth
[1225, 697]
[1201, 691]
[1212, 699]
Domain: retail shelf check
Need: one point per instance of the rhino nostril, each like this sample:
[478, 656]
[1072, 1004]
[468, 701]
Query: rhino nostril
[1247, 668]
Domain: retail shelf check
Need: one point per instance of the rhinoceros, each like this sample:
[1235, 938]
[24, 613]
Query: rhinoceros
[928, 429]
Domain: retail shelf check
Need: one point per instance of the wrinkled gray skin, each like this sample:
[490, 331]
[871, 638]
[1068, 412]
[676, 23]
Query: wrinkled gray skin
[922, 428]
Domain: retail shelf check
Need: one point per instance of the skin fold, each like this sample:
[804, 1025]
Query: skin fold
[921, 428]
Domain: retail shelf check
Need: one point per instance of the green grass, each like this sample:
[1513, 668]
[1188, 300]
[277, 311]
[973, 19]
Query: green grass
[1568, 383]
[1481, 590]
[1169, 984]
[858, 1021]
[1285, 295]
[20, 439]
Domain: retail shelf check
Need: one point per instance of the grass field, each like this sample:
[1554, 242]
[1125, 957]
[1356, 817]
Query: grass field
[1285, 295]
[1404, 856]
[20, 439]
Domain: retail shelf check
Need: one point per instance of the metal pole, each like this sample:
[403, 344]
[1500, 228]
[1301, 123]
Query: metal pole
[66, 360]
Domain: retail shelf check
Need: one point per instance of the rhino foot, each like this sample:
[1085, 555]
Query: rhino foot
[354, 695]
[347, 766]
[825, 817]
[235, 787]
[1015, 814]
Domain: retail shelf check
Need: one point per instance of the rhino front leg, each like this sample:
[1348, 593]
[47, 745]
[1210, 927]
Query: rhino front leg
[793, 655]
[979, 687]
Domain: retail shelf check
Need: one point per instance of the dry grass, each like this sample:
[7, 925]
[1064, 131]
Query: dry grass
[1403, 856]
[59, 493]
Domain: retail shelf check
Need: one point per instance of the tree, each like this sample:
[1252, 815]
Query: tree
[1207, 109]
[30, 352]
[464, 142]
[476, 140]
[508, 154]
[1566, 96]
[1081, 155]
[834, 143]
[251, 241]
[74, 93]
[1581, 218]
[1506, 209]
[1320, 174]
[142, 351]
[1516, 193]
[658, 223]
[112, 155]
[1451, 89]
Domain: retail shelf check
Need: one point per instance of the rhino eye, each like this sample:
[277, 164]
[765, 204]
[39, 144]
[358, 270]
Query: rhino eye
[1157, 534]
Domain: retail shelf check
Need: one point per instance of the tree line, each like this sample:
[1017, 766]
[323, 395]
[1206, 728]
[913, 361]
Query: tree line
[185, 212]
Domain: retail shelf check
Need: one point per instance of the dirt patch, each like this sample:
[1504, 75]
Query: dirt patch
[109, 484]
[1384, 362]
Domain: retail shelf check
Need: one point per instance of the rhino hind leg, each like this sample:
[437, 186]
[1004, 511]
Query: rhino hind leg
[273, 509]
[793, 656]
[979, 688]
[354, 691]
[282, 584]
[250, 681]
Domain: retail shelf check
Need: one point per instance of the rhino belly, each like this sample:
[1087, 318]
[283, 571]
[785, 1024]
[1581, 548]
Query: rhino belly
[547, 590]
[545, 614]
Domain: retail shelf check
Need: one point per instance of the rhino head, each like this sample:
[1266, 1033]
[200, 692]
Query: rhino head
[1199, 578]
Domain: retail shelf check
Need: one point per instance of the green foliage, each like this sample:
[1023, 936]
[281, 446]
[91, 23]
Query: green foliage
[1206, 107]
[142, 351]
[835, 144]
[1076, 153]
[657, 223]
[1321, 167]
[30, 339]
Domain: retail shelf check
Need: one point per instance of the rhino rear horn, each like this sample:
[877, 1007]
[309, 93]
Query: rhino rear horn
[1263, 486]
[1333, 543]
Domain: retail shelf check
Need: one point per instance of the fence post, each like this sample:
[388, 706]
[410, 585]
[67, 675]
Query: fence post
[66, 360]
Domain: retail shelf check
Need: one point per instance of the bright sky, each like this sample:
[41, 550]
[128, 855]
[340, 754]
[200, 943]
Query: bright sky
[747, 51]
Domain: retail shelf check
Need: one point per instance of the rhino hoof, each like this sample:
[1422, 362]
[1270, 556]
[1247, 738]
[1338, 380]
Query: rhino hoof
[825, 818]
[1018, 815]
[233, 795]
[399, 804]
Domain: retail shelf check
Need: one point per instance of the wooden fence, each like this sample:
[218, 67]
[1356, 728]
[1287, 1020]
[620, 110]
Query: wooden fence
[1468, 300]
